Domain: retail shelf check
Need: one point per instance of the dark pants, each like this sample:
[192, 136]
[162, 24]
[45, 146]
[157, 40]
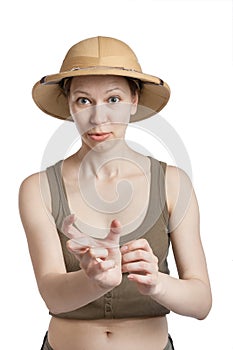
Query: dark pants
[46, 345]
[169, 345]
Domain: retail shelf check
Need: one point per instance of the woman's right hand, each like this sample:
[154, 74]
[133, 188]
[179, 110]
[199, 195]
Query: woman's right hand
[99, 258]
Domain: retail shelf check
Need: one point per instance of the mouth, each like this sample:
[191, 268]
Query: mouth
[99, 136]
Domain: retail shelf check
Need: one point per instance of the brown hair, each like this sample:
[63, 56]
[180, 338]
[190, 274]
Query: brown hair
[135, 85]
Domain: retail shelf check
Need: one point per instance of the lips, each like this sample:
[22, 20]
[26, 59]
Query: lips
[99, 136]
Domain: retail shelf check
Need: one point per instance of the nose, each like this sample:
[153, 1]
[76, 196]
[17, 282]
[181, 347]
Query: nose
[98, 114]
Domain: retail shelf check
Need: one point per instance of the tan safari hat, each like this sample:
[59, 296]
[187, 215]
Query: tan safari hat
[100, 56]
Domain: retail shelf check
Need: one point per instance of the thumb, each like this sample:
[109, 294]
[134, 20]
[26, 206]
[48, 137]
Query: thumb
[114, 233]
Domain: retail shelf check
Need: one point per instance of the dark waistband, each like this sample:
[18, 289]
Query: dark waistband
[46, 345]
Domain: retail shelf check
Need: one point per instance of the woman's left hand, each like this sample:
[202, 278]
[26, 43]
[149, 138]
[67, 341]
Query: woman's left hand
[140, 262]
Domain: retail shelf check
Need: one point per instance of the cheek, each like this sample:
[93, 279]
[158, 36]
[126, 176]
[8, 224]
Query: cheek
[81, 125]
[73, 110]
[120, 113]
[80, 118]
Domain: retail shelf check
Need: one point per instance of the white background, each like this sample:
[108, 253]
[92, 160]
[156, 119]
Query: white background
[186, 43]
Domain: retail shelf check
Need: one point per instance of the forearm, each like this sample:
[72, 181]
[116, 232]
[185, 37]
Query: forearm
[191, 297]
[69, 291]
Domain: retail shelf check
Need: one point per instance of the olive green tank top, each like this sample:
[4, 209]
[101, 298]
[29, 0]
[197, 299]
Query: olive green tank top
[124, 301]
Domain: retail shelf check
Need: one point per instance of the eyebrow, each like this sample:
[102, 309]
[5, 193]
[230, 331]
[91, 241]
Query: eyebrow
[88, 94]
[81, 92]
[115, 88]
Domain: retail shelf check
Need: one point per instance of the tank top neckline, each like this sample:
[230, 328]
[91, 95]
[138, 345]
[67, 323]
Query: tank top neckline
[148, 220]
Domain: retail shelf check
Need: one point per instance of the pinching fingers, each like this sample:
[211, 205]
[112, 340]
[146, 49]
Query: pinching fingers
[98, 253]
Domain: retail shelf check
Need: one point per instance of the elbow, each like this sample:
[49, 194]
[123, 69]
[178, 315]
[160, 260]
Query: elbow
[205, 312]
[203, 303]
[50, 296]
[50, 303]
[53, 303]
[204, 309]
[53, 306]
[54, 298]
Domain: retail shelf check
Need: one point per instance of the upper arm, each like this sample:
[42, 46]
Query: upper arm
[43, 240]
[184, 223]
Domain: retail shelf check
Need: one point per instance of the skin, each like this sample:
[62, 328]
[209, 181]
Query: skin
[91, 103]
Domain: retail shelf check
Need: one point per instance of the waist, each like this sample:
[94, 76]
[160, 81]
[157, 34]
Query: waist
[105, 334]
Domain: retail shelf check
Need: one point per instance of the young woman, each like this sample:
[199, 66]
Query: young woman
[99, 223]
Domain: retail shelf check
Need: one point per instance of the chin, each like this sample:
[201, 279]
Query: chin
[102, 146]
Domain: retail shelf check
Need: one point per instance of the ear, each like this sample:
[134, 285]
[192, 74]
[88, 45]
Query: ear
[134, 105]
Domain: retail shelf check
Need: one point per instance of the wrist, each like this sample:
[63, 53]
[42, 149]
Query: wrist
[159, 290]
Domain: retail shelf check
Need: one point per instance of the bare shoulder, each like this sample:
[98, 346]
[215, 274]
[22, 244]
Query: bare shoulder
[181, 199]
[177, 176]
[35, 188]
[29, 189]
[178, 185]
[34, 207]
[33, 181]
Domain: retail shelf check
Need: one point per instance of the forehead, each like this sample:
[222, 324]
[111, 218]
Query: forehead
[100, 81]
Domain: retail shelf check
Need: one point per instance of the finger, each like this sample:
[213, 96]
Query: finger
[113, 236]
[142, 279]
[115, 226]
[138, 255]
[68, 229]
[136, 245]
[105, 265]
[98, 253]
[139, 267]
[76, 248]
[69, 220]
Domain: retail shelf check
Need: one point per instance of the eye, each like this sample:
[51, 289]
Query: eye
[83, 101]
[113, 99]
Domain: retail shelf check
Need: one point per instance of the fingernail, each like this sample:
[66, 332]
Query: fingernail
[124, 248]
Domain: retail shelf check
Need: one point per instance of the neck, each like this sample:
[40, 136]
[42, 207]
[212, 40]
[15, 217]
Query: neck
[104, 162]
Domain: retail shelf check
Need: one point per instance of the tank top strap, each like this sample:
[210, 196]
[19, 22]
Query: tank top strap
[60, 208]
[162, 188]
